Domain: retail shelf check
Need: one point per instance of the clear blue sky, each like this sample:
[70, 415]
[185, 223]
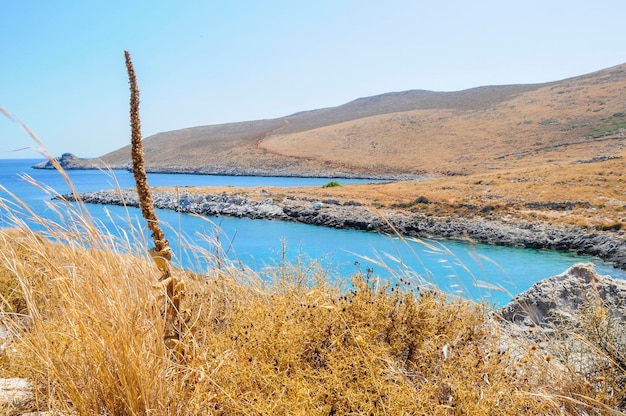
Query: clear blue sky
[203, 62]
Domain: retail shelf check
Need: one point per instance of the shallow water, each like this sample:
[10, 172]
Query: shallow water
[454, 266]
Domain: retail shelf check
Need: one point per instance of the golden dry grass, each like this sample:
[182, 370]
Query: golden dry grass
[557, 123]
[596, 192]
[89, 334]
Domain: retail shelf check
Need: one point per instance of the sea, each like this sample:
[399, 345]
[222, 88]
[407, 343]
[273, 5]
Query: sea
[476, 271]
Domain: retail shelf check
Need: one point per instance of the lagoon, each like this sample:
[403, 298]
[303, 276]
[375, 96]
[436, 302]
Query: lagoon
[457, 267]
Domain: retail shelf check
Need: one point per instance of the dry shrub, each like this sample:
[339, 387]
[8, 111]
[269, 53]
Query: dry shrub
[288, 342]
[301, 347]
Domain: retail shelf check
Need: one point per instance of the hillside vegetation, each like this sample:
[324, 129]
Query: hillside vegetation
[450, 133]
[588, 194]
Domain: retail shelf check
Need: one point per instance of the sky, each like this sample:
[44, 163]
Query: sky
[202, 62]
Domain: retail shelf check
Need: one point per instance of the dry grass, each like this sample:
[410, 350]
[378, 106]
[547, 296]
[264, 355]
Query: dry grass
[89, 335]
[87, 330]
[589, 195]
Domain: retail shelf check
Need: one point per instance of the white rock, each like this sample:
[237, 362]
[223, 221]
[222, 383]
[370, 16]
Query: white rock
[16, 393]
[562, 296]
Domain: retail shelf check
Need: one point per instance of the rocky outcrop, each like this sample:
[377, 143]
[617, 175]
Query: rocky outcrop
[67, 161]
[354, 215]
[576, 320]
[561, 298]
[222, 204]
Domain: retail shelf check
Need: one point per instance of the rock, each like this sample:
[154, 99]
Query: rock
[16, 395]
[560, 298]
[352, 215]
[66, 160]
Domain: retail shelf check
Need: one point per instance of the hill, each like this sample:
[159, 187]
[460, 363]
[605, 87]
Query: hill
[410, 133]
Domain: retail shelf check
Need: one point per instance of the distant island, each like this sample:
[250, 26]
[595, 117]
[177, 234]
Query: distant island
[67, 161]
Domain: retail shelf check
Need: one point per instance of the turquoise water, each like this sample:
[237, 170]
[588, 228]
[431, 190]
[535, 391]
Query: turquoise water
[457, 267]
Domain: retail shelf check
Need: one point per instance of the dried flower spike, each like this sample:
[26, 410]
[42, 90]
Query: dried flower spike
[175, 317]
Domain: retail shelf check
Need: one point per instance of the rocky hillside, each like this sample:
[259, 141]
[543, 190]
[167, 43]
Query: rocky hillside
[411, 132]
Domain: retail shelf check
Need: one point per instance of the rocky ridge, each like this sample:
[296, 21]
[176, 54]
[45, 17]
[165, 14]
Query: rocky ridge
[69, 161]
[355, 215]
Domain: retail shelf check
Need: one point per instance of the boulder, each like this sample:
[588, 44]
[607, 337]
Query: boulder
[560, 298]
[16, 395]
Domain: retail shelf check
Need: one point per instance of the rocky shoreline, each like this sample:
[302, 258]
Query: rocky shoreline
[355, 215]
[69, 161]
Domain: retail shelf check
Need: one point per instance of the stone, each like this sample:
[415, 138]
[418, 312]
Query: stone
[66, 160]
[16, 395]
[560, 298]
[606, 245]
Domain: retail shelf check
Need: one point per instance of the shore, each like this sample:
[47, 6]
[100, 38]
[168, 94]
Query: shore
[349, 214]
[69, 161]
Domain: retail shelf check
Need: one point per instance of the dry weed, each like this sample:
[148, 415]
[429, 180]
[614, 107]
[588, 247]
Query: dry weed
[90, 339]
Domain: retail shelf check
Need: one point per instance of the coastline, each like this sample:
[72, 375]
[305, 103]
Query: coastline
[70, 162]
[357, 216]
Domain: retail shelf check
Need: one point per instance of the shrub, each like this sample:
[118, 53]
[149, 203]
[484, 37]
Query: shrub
[419, 200]
[612, 226]
[593, 349]
[287, 343]
[331, 184]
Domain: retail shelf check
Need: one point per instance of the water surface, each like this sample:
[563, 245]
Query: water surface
[454, 266]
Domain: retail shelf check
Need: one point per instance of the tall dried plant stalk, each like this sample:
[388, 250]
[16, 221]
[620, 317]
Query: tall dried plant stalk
[175, 317]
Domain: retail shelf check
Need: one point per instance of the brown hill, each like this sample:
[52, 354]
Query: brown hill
[411, 132]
